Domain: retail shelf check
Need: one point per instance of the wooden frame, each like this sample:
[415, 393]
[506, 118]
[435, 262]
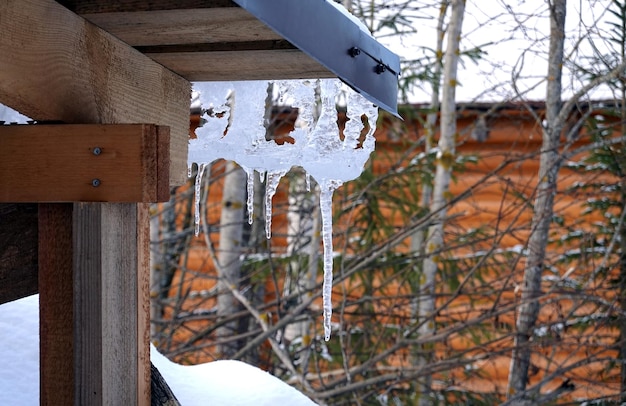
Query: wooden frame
[93, 264]
[89, 260]
[84, 163]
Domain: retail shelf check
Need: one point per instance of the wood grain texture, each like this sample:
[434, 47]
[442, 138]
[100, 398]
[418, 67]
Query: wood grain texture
[18, 251]
[108, 6]
[56, 310]
[143, 304]
[203, 41]
[236, 65]
[63, 68]
[87, 256]
[130, 163]
[184, 26]
[111, 344]
[121, 344]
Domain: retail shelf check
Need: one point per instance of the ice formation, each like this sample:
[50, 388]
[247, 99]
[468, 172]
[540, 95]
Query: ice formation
[235, 130]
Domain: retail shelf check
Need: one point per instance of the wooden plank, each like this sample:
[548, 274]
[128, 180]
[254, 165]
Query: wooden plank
[64, 163]
[202, 41]
[62, 67]
[143, 304]
[112, 310]
[235, 65]
[18, 251]
[88, 335]
[163, 163]
[56, 320]
[108, 6]
[184, 26]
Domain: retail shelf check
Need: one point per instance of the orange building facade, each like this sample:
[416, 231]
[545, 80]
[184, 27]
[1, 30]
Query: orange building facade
[479, 287]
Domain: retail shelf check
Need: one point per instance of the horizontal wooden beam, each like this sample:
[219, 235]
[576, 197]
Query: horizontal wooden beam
[183, 26]
[58, 66]
[237, 65]
[109, 6]
[213, 40]
[18, 251]
[81, 162]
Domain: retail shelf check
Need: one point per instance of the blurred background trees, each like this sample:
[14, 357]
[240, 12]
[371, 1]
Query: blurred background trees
[519, 300]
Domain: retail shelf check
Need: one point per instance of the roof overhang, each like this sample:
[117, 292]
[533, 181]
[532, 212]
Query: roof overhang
[211, 40]
[332, 38]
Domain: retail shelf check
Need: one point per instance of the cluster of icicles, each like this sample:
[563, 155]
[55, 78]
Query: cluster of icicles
[235, 130]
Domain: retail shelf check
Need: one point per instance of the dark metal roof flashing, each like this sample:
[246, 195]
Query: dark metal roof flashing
[329, 36]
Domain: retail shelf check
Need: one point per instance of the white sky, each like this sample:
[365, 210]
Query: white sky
[513, 43]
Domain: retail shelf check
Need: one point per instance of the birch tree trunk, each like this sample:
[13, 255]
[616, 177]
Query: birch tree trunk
[301, 236]
[417, 239]
[544, 205]
[445, 158]
[230, 245]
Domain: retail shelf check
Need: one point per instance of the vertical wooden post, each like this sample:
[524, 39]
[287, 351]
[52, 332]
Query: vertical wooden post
[94, 303]
[56, 320]
[110, 274]
[93, 268]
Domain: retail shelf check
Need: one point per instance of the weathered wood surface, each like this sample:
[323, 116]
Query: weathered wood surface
[18, 251]
[253, 65]
[202, 40]
[111, 6]
[60, 67]
[56, 304]
[178, 27]
[57, 66]
[71, 163]
[106, 337]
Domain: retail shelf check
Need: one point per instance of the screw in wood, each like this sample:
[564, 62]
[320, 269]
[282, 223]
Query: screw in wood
[97, 151]
[95, 182]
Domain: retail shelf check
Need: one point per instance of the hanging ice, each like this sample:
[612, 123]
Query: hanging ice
[235, 130]
[327, 188]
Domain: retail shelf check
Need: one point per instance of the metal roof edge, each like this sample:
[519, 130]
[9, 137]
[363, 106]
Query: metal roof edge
[329, 36]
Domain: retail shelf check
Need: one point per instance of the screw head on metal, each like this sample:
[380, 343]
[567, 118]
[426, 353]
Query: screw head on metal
[97, 151]
[354, 52]
[95, 182]
[380, 68]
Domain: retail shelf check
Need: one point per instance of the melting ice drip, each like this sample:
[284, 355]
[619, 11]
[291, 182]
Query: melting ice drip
[235, 130]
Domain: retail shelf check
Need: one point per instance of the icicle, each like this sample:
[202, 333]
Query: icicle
[273, 179]
[196, 203]
[250, 199]
[307, 178]
[327, 187]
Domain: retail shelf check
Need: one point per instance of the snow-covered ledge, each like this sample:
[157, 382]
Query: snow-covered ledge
[213, 383]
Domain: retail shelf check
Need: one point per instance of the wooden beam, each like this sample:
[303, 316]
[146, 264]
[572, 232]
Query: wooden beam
[109, 6]
[58, 66]
[235, 65]
[101, 163]
[183, 26]
[18, 251]
[202, 40]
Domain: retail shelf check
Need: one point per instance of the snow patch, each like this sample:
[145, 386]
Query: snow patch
[213, 383]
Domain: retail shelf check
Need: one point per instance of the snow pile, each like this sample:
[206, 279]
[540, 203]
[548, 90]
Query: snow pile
[215, 383]
[226, 383]
[235, 130]
[19, 352]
